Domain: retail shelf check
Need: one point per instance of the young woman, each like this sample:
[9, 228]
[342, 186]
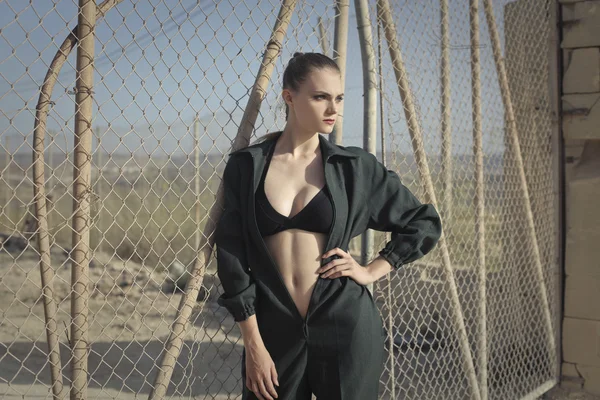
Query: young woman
[292, 203]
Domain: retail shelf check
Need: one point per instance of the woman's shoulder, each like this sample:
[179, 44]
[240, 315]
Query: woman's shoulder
[260, 142]
[363, 156]
[366, 164]
[359, 151]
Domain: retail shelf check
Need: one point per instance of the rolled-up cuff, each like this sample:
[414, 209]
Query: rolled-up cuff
[391, 257]
[241, 306]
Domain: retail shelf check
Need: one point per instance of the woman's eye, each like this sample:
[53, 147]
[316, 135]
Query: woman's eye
[319, 96]
[340, 99]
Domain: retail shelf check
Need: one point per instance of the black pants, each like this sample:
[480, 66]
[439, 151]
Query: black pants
[337, 353]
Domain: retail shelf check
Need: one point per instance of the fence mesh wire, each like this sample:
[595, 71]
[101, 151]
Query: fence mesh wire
[171, 81]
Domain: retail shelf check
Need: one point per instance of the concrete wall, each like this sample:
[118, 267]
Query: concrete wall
[581, 132]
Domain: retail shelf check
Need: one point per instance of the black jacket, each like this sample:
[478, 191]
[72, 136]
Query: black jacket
[365, 195]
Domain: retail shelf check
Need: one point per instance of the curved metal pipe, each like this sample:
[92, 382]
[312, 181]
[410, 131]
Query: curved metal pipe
[184, 311]
[39, 192]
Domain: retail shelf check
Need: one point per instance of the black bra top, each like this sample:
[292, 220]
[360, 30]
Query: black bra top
[316, 216]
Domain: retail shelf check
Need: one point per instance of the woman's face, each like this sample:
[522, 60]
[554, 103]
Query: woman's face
[318, 98]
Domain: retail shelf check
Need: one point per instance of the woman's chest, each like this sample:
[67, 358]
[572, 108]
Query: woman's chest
[346, 194]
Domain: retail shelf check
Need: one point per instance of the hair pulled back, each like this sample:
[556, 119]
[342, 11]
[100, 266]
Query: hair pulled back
[296, 72]
[300, 66]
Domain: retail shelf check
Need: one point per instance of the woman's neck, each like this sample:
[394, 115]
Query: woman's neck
[297, 144]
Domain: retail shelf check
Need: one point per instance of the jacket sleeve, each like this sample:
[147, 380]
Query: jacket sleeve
[415, 227]
[239, 289]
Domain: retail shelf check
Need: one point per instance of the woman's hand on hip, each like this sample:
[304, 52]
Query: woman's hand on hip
[345, 266]
[261, 375]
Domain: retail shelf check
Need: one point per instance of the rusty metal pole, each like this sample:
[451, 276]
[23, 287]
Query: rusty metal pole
[82, 169]
[367, 50]
[99, 199]
[39, 131]
[181, 323]
[46, 271]
[389, 302]
[323, 41]
[6, 174]
[479, 198]
[197, 189]
[340, 44]
[446, 205]
[414, 129]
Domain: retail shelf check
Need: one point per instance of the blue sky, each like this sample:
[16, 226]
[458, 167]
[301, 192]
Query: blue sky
[160, 63]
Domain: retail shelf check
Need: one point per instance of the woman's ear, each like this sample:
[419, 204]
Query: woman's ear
[287, 97]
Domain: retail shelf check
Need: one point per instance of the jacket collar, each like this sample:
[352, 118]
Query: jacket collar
[328, 149]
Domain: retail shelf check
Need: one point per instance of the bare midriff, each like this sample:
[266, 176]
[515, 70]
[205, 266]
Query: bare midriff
[289, 186]
[297, 254]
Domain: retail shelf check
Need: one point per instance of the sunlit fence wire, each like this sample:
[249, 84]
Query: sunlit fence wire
[170, 83]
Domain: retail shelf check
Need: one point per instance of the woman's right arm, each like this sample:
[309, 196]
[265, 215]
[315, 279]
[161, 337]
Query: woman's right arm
[261, 374]
[239, 296]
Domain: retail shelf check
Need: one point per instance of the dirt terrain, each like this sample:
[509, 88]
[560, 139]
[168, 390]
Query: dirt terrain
[129, 321]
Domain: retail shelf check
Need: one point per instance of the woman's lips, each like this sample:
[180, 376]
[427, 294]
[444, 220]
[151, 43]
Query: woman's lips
[329, 121]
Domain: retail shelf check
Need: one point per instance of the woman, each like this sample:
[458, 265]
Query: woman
[292, 203]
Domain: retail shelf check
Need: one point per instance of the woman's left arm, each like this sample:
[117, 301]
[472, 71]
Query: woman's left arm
[415, 227]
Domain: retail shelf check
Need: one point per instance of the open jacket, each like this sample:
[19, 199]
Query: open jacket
[365, 194]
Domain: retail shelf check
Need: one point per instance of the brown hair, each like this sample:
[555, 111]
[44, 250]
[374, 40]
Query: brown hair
[296, 72]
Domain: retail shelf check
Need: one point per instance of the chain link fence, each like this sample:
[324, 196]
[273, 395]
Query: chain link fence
[109, 227]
